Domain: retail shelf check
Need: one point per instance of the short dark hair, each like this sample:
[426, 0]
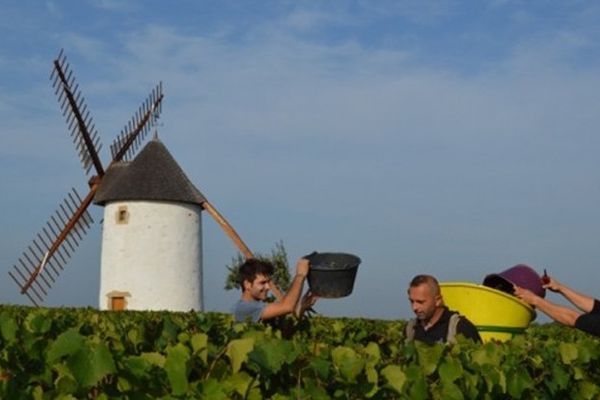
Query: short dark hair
[252, 267]
[429, 280]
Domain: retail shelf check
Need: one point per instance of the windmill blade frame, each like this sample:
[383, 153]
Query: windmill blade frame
[43, 260]
[80, 123]
[128, 141]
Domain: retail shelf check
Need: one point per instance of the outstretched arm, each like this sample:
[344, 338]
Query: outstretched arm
[288, 304]
[558, 313]
[583, 302]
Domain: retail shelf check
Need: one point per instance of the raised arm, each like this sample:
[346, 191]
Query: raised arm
[288, 304]
[558, 313]
[583, 302]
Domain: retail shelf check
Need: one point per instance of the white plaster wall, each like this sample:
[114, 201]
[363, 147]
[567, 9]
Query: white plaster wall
[155, 257]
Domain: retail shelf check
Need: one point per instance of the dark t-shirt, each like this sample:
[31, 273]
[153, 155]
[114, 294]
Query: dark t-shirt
[439, 331]
[590, 322]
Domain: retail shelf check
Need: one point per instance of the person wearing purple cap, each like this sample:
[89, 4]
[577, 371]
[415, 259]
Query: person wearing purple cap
[587, 318]
[521, 275]
[434, 322]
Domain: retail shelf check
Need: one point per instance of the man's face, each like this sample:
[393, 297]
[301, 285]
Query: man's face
[259, 288]
[423, 301]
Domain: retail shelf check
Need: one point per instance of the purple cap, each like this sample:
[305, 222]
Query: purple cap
[521, 275]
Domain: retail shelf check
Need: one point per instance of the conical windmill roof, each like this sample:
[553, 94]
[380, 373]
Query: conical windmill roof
[152, 175]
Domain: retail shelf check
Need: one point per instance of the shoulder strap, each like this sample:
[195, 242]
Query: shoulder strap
[452, 326]
[410, 329]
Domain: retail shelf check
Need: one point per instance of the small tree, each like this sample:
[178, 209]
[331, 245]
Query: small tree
[279, 259]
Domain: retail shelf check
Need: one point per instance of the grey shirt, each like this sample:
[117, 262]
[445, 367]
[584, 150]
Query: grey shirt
[248, 311]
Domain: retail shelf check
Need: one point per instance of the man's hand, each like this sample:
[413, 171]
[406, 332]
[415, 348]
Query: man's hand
[552, 284]
[526, 295]
[307, 301]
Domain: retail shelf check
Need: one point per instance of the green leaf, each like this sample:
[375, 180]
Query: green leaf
[568, 352]
[183, 337]
[240, 382]
[518, 381]
[311, 390]
[418, 388]
[134, 337]
[67, 343]
[176, 368]
[37, 393]
[489, 354]
[373, 353]
[429, 356]
[91, 363]
[66, 397]
[372, 378]
[8, 327]
[271, 354]
[451, 391]
[587, 350]
[450, 370]
[237, 351]
[200, 345]
[154, 358]
[347, 362]
[321, 367]
[65, 382]
[213, 390]
[123, 385]
[560, 377]
[38, 323]
[170, 328]
[588, 390]
[395, 377]
[137, 366]
[471, 387]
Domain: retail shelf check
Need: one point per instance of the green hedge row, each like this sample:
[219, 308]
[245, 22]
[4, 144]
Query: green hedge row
[68, 353]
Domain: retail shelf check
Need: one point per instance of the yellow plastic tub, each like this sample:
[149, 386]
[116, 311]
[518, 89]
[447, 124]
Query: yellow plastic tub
[497, 315]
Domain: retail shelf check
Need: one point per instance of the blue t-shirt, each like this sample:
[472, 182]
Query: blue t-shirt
[248, 311]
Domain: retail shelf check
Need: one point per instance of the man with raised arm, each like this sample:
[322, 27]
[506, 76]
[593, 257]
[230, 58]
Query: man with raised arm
[255, 277]
[587, 318]
[434, 322]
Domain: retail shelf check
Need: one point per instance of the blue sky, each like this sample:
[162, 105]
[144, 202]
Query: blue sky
[456, 138]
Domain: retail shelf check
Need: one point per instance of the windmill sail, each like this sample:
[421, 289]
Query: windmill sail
[128, 141]
[43, 260]
[81, 125]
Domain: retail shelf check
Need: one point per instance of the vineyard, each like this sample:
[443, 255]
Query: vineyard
[84, 353]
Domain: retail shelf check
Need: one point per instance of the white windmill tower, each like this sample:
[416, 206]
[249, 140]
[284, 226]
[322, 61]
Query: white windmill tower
[152, 238]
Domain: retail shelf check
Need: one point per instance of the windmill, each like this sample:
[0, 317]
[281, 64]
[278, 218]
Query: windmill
[46, 257]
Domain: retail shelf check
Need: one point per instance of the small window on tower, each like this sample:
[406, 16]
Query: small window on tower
[122, 215]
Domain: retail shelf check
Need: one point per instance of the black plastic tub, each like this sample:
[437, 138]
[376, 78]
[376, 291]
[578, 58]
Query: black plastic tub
[332, 275]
